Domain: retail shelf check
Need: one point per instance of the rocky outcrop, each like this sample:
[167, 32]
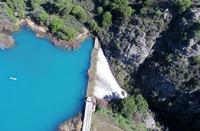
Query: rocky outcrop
[184, 37]
[6, 41]
[74, 124]
[40, 30]
[132, 43]
[7, 25]
[129, 45]
[150, 123]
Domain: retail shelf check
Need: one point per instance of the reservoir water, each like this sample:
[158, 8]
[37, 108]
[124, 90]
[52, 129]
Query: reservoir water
[41, 85]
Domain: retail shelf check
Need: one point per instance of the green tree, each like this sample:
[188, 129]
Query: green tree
[99, 10]
[119, 4]
[56, 24]
[10, 12]
[134, 104]
[197, 59]
[69, 33]
[18, 6]
[127, 12]
[80, 13]
[121, 8]
[141, 104]
[183, 5]
[128, 106]
[43, 17]
[147, 3]
[107, 19]
[64, 6]
[93, 25]
[35, 3]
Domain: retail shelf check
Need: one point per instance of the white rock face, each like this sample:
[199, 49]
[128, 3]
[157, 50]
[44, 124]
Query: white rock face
[106, 86]
[196, 14]
[150, 123]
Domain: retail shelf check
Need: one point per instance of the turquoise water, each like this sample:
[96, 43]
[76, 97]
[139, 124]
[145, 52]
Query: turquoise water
[50, 86]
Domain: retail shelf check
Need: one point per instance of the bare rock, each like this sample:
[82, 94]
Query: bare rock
[6, 41]
[150, 122]
[74, 124]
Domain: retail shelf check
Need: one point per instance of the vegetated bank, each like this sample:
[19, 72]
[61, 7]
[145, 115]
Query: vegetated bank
[67, 33]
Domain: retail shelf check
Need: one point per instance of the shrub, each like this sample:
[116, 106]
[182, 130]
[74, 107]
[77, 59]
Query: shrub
[128, 106]
[56, 24]
[18, 6]
[21, 14]
[121, 8]
[80, 13]
[93, 25]
[197, 33]
[35, 3]
[69, 33]
[99, 10]
[147, 3]
[10, 12]
[197, 59]
[64, 6]
[127, 12]
[141, 104]
[43, 17]
[107, 19]
[183, 5]
[125, 123]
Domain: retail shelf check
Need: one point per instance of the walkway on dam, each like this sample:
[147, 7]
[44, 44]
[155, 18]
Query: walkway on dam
[88, 114]
[91, 101]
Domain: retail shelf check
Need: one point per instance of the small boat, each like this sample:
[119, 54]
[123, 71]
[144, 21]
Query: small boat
[13, 78]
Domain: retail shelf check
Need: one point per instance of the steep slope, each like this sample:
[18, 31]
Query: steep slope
[170, 77]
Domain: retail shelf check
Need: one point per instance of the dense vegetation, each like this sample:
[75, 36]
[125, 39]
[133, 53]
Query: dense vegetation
[106, 13]
[55, 14]
[128, 113]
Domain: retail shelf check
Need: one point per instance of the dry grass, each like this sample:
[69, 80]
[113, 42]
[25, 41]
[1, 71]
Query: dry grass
[100, 123]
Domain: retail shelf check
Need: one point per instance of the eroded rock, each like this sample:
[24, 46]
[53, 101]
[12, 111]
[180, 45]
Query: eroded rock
[6, 41]
[74, 124]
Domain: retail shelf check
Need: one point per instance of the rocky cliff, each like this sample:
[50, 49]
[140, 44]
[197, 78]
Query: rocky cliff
[170, 77]
[158, 50]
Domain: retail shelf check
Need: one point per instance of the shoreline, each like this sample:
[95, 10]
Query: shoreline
[7, 41]
[44, 32]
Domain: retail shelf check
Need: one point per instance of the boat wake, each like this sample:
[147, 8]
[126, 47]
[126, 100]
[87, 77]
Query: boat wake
[13, 78]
